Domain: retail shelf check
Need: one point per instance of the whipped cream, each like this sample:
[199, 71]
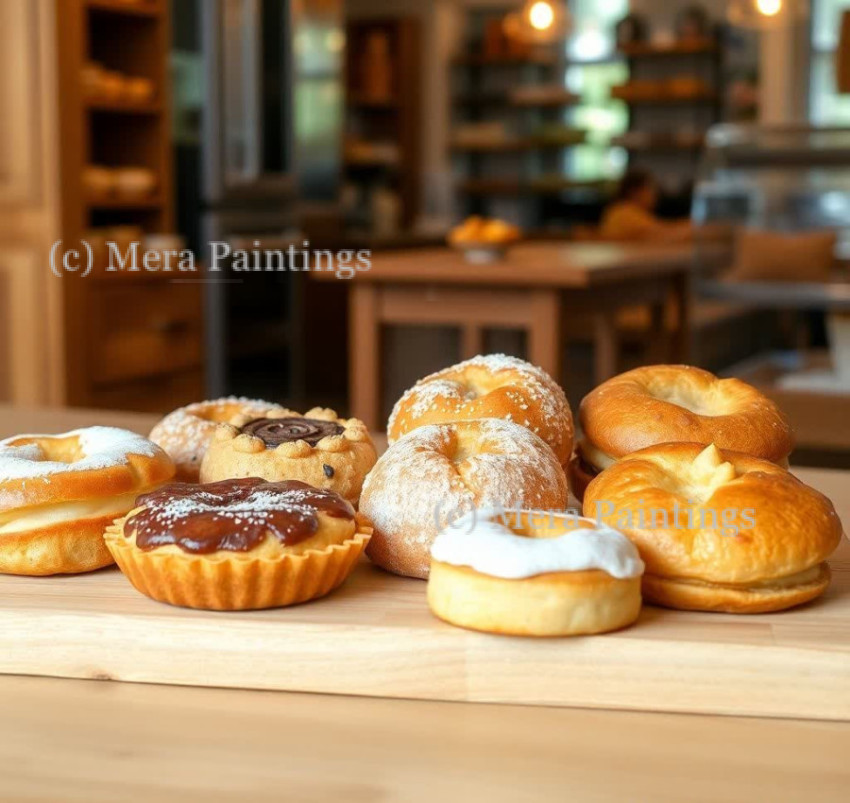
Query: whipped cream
[486, 545]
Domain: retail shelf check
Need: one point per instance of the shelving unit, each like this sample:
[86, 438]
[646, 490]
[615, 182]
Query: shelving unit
[385, 120]
[659, 118]
[511, 125]
[123, 334]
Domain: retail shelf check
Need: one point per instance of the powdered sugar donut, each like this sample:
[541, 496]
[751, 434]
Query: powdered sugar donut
[186, 433]
[489, 386]
[59, 492]
[439, 472]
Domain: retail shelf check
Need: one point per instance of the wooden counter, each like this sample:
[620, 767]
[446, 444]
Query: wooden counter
[102, 741]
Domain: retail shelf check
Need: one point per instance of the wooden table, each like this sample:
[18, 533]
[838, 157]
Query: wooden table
[536, 288]
[102, 741]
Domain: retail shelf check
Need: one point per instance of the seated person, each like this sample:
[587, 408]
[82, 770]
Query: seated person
[630, 217]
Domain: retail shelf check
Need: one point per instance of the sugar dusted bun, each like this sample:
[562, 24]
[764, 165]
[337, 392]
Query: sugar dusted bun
[489, 386]
[186, 432]
[534, 574]
[59, 492]
[767, 554]
[440, 471]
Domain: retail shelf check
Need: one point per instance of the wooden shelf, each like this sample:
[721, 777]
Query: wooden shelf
[518, 145]
[650, 50]
[147, 10]
[670, 100]
[478, 60]
[543, 186]
[124, 107]
[119, 202]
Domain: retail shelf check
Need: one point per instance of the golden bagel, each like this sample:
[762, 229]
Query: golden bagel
[675, 404]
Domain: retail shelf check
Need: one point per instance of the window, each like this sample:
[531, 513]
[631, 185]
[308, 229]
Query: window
[826, 106]
[594, 69]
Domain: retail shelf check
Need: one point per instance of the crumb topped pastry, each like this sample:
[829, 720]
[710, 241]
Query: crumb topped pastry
[718, 530]
[441, 471]
[317, 448]
[238, 544]
[489, 386]
[534, 573]
[186, 432]
[59, 492]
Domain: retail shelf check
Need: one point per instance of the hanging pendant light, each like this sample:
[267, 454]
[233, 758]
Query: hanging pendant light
[766, 13]
[539, 22]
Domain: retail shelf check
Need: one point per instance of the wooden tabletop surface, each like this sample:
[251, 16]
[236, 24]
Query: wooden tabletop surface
[103, 741]
[538, 264]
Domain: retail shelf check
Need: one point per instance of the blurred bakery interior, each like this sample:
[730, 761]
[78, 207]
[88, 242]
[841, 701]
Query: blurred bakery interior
[592, 184]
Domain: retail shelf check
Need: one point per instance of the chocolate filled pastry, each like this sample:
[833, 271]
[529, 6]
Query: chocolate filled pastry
[718, 530]
[239, 544]
[675, 404]
[186, 433]
[489, 386]
[317, 448]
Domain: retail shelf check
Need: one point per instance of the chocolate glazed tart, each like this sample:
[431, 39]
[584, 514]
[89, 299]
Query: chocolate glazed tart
[241, 544]
[275, 431]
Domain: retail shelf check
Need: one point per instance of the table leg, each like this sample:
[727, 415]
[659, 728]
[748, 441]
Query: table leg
[544, 331]
[604, 346]
[471, 340]
[364, 378]
[680, 345]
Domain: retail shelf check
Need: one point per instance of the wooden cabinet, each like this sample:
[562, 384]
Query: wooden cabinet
[85, 83]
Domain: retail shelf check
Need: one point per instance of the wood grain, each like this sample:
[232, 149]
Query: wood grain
[106, 742]
[376, 637]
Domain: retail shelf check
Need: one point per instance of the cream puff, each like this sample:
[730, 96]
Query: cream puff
[718, 530]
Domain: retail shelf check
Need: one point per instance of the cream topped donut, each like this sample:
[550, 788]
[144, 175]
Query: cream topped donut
[441, 471]
[675, 404]
[186, 432]
[239, 544]
[489, 386]
[317, 448]
[59, 492]
[718, 530]
[534, 573]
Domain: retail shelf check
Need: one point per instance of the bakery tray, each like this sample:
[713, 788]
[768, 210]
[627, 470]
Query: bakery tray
[376, 637]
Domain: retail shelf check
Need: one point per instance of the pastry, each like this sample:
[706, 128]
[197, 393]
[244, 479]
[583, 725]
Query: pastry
[239, 544]
[439, 472]
[59, 492]
[317, 448]
[534, 573]
[718, 530]
[186, 432]
[675, 403]
[491, 386]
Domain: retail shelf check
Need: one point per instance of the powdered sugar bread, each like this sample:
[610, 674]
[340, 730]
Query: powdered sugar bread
[489, 386]
[59, 492]
[439, 472]
[186, 432]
